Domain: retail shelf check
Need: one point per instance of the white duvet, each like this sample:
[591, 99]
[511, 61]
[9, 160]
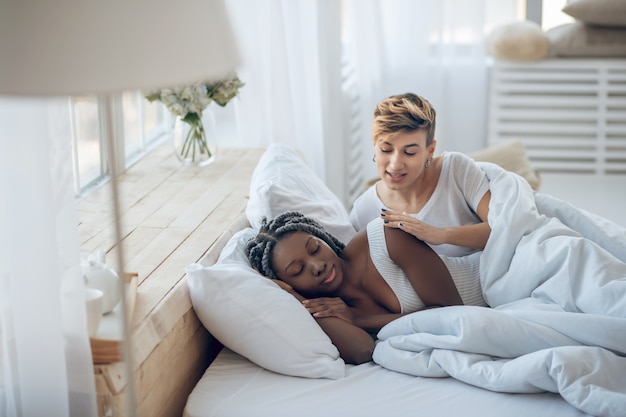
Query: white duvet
[556, 279]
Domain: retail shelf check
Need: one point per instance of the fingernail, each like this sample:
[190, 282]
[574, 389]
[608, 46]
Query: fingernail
[383, 209]
[382, 214]
[386, 221]
[400, 224]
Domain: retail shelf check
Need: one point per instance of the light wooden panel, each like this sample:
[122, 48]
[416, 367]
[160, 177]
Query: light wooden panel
[172, 216]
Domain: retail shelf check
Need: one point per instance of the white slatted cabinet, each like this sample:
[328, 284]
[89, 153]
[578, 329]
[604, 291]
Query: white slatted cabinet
[570, 113]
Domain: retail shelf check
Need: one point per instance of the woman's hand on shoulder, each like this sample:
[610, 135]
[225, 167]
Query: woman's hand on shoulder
[423, 231]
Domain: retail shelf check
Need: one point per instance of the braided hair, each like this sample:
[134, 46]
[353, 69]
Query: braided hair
[260, 247]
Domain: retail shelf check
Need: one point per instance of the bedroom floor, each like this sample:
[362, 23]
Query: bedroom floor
[605, 196]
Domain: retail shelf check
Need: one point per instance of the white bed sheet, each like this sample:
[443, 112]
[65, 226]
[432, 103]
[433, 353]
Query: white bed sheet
[235, 387]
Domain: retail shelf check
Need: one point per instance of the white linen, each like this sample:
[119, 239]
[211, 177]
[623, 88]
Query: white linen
[539, 275]
[235, 387]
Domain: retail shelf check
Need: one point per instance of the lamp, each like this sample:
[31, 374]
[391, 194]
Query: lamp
[67, 47]
[70, 47]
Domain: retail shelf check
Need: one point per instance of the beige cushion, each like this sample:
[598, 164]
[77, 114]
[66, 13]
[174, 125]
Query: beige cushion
[597, 12]
[580, 40]
[518, 41]
[511, 156]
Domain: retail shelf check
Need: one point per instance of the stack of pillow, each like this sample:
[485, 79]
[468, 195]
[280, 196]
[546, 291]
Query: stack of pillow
[599, 30]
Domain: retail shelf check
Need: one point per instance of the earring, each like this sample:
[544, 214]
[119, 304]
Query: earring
[428, 161]
[374, 158]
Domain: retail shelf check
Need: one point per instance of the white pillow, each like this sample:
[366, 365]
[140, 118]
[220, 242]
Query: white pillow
[250, 314]
[283, 182]
[580, 40]
[597, 12]
[254, 317]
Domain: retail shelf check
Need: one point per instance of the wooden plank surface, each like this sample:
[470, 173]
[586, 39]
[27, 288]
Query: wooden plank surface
[172, 216]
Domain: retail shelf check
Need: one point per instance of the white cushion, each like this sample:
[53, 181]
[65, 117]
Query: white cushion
[597, 12]
[580, 40]
[283, 182]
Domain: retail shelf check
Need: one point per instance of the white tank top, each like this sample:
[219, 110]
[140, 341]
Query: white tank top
[465, 272]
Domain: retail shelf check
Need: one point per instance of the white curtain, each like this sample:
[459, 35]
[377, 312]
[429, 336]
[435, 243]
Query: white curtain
[45, 358]
[293, 91]
[434, 48]
[291, 52]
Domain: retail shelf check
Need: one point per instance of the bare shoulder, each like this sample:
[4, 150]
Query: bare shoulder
[357, 244]
[402, 245]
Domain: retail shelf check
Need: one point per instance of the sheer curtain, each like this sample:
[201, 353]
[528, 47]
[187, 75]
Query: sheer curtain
[314, 71]
[46, 367]
[291, 53]
[434, 48]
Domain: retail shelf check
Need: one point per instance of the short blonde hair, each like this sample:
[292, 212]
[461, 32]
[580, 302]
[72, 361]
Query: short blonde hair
[404, 113]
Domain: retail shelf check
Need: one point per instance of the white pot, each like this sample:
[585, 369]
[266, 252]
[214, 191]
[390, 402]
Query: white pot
[100, 276]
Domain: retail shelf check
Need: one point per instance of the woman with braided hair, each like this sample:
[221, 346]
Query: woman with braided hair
[353, 290]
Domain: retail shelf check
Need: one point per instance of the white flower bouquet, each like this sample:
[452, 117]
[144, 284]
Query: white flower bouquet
[189, 102]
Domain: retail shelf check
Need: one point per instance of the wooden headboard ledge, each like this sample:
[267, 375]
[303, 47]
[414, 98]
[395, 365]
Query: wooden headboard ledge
[169, 347]
[183, 354]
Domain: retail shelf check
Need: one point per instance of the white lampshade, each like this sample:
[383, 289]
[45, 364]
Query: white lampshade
[66, 47]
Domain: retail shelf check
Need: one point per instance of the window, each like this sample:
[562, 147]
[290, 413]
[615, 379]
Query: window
[87, 156]
[141, 126]
[547, 13]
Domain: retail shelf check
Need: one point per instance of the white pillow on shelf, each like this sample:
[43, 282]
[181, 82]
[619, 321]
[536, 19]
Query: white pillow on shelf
[580, 40]
[250, 314]
[598, 12]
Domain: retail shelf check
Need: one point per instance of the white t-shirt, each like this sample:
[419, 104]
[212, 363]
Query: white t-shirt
[461, 186]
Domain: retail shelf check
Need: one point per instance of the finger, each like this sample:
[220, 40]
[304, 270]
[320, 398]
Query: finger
[317, 308]
[314, 302]
[389, 211]
[398, 217]
[389, 223]
[323, 314]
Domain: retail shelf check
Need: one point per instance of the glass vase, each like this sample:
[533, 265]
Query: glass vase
[194, 138]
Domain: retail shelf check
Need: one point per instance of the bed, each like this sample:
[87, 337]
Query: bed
[553, 342]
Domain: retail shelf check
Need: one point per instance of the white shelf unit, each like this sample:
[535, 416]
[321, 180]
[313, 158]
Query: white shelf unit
[570, 113]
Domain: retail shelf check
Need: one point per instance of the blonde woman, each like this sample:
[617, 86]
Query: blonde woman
[442, 200]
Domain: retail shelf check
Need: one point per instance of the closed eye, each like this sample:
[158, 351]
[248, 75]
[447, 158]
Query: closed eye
[295, 269]
[316, 248]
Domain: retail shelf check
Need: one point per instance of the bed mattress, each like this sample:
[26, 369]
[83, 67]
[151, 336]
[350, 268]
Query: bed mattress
[235, 387]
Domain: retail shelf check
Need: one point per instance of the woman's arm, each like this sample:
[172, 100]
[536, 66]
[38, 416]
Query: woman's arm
[426, 272]
[471, 236]
[335, 307]
[354, 344]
